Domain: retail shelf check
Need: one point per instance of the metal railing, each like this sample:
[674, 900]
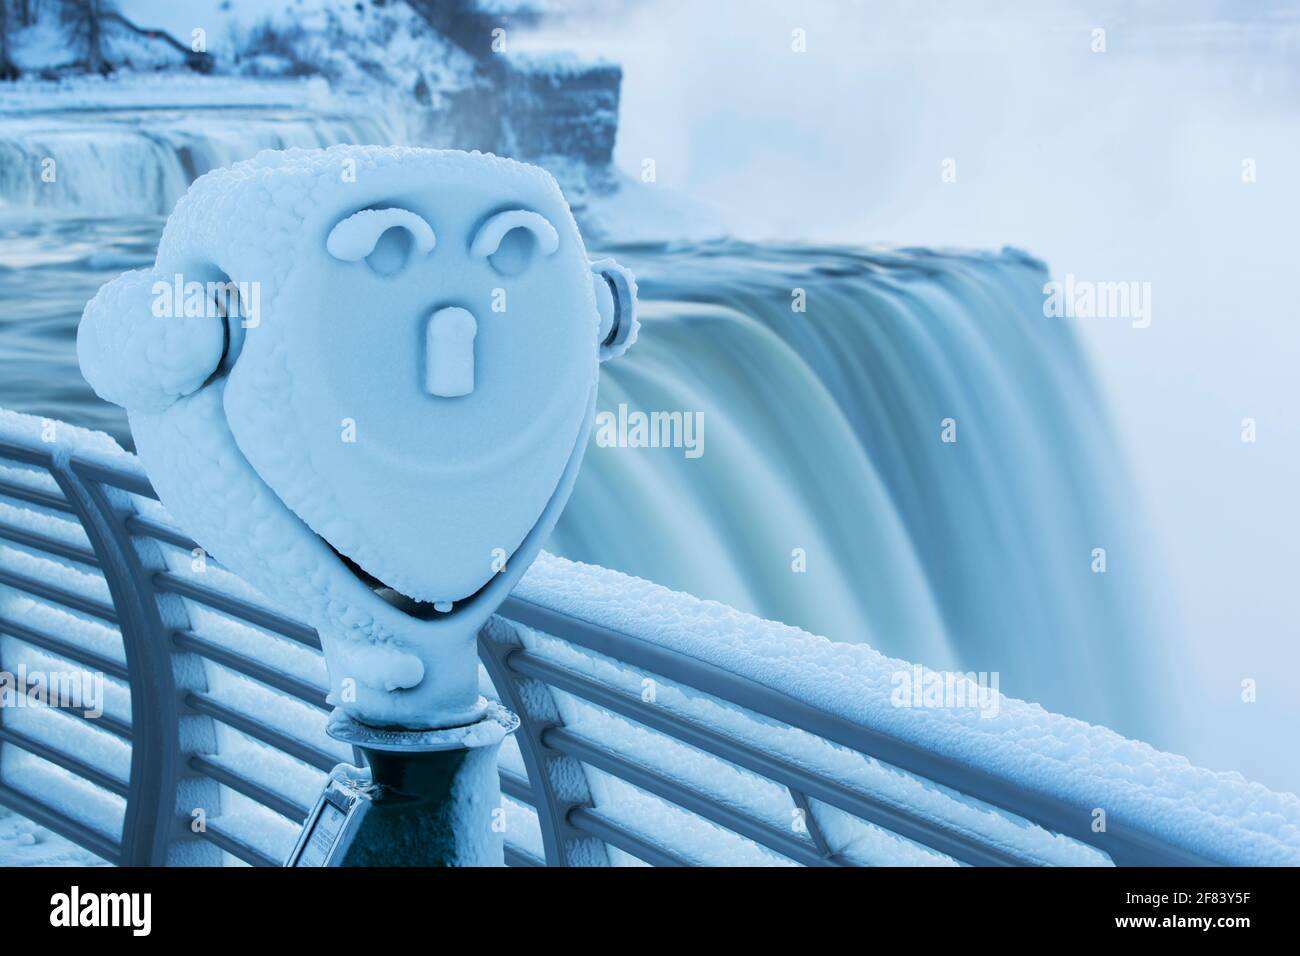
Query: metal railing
[581, 799]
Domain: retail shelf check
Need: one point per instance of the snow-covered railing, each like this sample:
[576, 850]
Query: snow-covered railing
[655, 728]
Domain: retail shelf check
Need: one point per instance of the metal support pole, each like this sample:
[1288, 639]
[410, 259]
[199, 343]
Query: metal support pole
[425, 798]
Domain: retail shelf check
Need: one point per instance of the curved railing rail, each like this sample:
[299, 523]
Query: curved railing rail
[577, 798]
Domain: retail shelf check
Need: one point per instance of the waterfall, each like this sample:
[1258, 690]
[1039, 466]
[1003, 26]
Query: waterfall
[132, 162]
[823, 431]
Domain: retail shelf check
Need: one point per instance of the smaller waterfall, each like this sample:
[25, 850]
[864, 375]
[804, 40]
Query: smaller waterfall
[136, 160]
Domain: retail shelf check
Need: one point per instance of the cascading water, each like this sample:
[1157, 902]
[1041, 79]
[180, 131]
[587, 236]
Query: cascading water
[822, 428]
[139, 161]
[824, 432]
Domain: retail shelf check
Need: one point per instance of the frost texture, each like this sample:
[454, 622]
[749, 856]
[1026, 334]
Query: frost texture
[1221, 815]
[137, 359]
[325, 433]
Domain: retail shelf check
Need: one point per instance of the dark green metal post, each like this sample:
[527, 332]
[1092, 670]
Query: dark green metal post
[425, 798]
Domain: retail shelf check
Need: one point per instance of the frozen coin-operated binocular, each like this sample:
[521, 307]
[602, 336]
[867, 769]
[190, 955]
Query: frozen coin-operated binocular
[363, 379]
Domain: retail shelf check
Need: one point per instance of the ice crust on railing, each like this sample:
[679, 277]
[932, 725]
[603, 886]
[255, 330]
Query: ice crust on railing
[1221, 815]
[64, 440]
[850, 838]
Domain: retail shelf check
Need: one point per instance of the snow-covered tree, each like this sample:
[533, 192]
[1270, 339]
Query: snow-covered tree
[8, 70]
[85, 22]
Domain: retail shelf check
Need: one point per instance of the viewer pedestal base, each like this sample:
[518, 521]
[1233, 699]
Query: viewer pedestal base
[425, 798]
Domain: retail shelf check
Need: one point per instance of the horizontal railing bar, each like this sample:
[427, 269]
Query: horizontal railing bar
[252, 613]
[65, 760]
[118, 728]
[35, 496]
[888, 816]
[517, 857]
[69, 599]
[231, 844]
[308, 693]
[103, 721]
[688, 798]
[202, 704]
[39, 812]
[42, 542]
[116, 477]
[42, 458]
[57, 645]
[602, 828]
[516, 788]
[148, 528]
[1121, 840]
[249, 788]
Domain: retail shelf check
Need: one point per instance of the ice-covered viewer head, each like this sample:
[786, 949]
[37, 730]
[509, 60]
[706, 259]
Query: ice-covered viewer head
[363, 378]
